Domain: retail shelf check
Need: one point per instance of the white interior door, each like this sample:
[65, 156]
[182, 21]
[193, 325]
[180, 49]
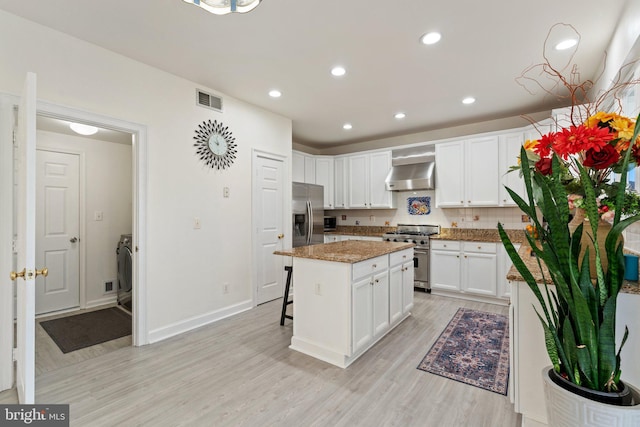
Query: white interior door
[269, 194]
[25, 243]
[57, 230]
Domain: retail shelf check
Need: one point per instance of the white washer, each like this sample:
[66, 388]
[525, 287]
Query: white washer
[125, 264]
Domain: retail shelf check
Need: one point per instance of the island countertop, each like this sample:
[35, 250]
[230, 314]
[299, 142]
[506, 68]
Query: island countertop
[348, 251]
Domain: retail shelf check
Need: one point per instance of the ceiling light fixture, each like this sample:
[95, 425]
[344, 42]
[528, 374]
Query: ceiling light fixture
[83, 129]
[566, 44]
[347, 126]
[431, 38]
[223, 7]
[275, 93]
[469, 100]
[400, 116]
[338, 71]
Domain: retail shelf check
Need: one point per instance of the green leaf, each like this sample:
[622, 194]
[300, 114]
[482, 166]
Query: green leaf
[607, 345]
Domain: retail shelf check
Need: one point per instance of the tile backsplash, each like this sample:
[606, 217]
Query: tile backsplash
[511, 217]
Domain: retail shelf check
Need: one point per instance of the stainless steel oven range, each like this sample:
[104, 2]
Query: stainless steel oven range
[419, 235]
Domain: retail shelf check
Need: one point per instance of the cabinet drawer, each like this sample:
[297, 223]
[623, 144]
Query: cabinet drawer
[445, 245]
[482, 247]
[370, 266]
[400, 257]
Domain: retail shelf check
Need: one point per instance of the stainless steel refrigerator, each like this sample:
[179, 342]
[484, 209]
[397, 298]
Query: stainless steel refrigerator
[308, 214]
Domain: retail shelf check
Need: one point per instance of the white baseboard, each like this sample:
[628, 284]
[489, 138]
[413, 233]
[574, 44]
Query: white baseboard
[197, 321]
[102, 301]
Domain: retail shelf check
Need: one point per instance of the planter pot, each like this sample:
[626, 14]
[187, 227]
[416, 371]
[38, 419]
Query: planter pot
[587, 240]
[568, 409]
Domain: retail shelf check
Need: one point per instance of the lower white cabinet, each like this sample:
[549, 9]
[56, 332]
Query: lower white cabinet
[329, 238]
[343, 309]
[464, 267]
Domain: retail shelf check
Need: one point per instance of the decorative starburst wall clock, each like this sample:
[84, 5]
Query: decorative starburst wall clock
[215, 144]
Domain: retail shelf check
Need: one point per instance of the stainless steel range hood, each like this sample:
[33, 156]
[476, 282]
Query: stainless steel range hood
[412, 169]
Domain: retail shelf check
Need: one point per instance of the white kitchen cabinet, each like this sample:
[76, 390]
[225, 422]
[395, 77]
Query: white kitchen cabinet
[340, 191]
[366, 175]
[450, 174]
[467, 173]
[324, 176]
[510, 145]
[465, 268]
[400, 284]
[303, 168]
[482, 176]
[504, 265]
[297, 169]
[445, 265]
[479, 266]
[370, 301]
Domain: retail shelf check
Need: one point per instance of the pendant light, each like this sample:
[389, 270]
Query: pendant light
[223, 7]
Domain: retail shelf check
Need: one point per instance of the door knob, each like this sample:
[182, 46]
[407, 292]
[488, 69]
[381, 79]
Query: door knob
[73, 239]
[280, 236]
[44, 272]
[15, 275]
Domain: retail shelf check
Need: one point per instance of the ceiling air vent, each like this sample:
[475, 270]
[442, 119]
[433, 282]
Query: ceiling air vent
[205, 99]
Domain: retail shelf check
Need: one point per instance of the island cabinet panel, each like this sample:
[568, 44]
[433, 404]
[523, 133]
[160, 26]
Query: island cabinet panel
[341, 309]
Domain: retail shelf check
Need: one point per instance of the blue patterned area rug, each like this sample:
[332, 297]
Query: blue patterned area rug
[473, 349]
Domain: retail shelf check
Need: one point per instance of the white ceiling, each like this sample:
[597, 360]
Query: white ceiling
[291, 45]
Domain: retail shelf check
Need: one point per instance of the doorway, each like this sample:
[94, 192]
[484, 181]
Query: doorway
[139, 170]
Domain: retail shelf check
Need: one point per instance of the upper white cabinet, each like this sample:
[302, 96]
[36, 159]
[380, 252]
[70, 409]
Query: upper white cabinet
[510, 145]
[325, 177]
[340, 182]
[366, 174]
[467, 173]
[303, 168]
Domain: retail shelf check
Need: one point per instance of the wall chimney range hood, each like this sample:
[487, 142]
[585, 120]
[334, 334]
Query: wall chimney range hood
[412, 169]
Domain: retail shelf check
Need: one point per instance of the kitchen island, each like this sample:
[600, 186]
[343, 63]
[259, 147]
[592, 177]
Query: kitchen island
[347, 295]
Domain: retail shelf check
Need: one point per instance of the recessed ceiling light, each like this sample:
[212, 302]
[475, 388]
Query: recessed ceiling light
[566, 44]
[400, 116]
[469, 100]
[83, 129]
[431, 38]
[338, 71]
[275, 93]
[347, 126]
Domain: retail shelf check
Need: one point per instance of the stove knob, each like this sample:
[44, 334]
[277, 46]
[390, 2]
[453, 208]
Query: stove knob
[414, 242]
[422, 242]
[395, 240]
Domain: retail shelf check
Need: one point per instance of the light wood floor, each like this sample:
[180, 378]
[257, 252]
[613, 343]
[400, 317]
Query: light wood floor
[240, 371]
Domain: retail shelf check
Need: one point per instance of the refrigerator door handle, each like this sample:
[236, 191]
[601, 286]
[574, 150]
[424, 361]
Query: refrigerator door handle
[310, 216]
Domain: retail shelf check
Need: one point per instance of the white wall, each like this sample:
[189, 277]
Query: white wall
[107, 188]
[186, 267]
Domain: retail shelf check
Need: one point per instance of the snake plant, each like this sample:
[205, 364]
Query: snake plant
[578, 316]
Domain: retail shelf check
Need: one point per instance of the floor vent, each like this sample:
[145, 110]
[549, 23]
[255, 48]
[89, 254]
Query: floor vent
[205, 99]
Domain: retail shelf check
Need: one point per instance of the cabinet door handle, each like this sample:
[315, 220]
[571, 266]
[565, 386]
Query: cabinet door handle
[479, 247]
[377, 280]
[374, 266]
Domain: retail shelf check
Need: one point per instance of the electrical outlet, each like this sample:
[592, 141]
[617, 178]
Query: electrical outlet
[225, 288]
[318, 289]
[225, 192]
[344, 217]
[357, 222]
[108, 286]
[476, 217]
[387, 223]
[196, 223]
[98, 216]
[372, 218]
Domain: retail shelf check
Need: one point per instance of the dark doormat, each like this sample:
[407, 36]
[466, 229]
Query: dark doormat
[84, 330]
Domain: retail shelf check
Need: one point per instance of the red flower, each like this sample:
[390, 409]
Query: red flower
[543, 149]
[581, 138]
[601, 159]
[544, 166]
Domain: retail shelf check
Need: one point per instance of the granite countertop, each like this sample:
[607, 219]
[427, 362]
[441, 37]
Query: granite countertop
[348, 251]
[478, 235]
[531, 262]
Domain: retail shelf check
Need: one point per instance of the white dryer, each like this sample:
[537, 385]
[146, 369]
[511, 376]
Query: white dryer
[125, 268]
